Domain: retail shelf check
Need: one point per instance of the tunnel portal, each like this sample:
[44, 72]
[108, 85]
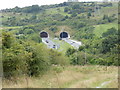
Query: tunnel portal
[64, 35]
[44, 35]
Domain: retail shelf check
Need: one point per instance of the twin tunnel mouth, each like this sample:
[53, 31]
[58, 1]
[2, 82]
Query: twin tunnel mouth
[64, 35]
[44, 34]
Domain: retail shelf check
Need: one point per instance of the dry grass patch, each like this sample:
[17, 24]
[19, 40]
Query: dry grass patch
[70, 77]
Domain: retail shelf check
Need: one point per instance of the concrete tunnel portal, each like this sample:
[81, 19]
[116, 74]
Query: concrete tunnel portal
[64, 35]
[44, 34]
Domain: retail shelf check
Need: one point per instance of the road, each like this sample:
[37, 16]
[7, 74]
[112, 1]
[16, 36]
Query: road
[75, 44]
[50, 43]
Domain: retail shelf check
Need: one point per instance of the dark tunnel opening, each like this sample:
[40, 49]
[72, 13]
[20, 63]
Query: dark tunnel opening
[63, 35]
[44, 35]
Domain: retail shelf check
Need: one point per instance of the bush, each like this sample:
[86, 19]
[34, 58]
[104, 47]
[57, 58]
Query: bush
[39, 61]
[70, 51]
[111, 31]
[7, 40]
[58, 58]
[14, 61]
[23, 58]
[58, 69]
[66, 9]
[80, 25]
[78, 59]
[35, 37]
[73, 15]
[81, 48]
[108, 43]
[54, 29]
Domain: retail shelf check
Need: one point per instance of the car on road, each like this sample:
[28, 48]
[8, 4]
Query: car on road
[60, 38]
[72, 42]
[46, 41]
[54, 46]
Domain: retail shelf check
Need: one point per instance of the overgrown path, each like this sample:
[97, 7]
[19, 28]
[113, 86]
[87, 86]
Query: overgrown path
[99, 78]
[103, 84]
[107, 82]
[89, 81]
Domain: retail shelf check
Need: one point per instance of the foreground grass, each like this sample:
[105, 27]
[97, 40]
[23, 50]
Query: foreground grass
[69, 77]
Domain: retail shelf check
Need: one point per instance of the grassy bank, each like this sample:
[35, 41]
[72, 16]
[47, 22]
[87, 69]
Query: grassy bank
[69, 77]
[99, 29]
[63, 46]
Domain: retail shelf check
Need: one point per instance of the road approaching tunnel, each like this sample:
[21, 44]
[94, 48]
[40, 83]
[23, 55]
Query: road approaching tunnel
[64, 35]
[44, 34]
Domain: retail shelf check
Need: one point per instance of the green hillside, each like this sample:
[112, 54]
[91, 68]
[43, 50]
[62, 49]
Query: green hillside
[99, 29]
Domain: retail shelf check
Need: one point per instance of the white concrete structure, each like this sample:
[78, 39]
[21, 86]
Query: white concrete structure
[64, 34]
[72, 0]
[111, 0]
[46, 40]
[66, 37]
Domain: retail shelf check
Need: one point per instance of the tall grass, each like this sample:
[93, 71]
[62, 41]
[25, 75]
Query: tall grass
[69, 77]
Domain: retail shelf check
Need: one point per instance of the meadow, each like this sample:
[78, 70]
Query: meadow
[87, 76]
[99, 29]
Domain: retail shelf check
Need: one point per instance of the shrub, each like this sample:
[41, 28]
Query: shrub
[58, 58]
[58, 69]
[66, 9]
[81, 48]
[70, 51]
[39, 61]
[14, 61]
[73, 15]
[7, 40]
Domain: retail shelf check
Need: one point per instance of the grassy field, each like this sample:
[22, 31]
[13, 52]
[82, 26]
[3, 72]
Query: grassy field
[70, 77]
[59, 10]
[63, 45]
[99, 29]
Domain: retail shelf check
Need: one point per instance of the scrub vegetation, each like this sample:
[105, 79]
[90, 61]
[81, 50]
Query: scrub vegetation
[27, 62]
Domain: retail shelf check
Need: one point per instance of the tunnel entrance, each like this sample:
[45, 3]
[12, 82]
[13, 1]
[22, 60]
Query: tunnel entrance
[64, 35]
[44, 35]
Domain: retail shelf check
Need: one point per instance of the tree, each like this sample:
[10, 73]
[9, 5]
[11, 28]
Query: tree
[70, 51]
[78, 58]
[28, 31]
[108, 43]
[66, 9]
[80, 25]
[14, 61]
[14, 56]
[105, 17]
[73, 15]
[39, 61]
[33, 17]
[7, 40]
[89, 14]
[66, 17]
[35, 37]
[81, 48]
[111, 31]
[32, 9]
[58, 58]
[76, 6]
[54, 29]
